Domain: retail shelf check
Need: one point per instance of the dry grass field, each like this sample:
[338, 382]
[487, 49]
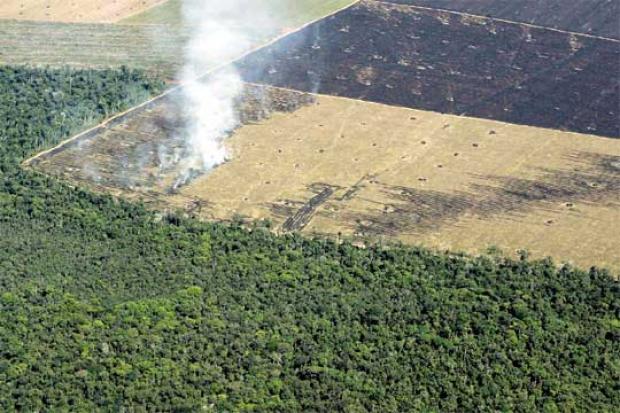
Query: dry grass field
[285, 13]
[157, 48]
[366, 170]
[153, 40]
[74, 11]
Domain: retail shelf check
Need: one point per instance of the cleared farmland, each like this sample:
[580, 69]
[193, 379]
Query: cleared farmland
[367, 170]
[363, 169]
[83, 11]
[153, 40]
[157, 48]
[285, 13]
[449, 63]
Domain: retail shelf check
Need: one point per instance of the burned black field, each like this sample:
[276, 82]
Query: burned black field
[596, 17]
[449, 63]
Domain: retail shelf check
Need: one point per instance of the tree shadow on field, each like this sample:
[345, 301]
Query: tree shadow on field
[589, 178]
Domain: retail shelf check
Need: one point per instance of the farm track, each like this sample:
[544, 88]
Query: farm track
[369, 165]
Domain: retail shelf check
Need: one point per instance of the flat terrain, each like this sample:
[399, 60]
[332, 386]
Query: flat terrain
[158, 48]
[140, 150]
[75, 11]
[152, 40]
[368, 170]
[596, 17]
[449, 63]
[362, 169]
[289, 13]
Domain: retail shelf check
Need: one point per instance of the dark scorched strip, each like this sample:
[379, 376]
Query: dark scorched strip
[306, 212]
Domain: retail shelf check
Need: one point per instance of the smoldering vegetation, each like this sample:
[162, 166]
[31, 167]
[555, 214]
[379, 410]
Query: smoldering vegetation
[144, 150]
[444, 62]
[588, 178]
[259, 103]
[283, 209]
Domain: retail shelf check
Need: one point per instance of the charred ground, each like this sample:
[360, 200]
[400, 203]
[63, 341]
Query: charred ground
[596, 17]
[141, 150]
[449, 63]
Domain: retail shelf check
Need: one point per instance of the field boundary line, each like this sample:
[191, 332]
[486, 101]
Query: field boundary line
[449, 115]
[130, 15]
[479, 16]
[174, 89]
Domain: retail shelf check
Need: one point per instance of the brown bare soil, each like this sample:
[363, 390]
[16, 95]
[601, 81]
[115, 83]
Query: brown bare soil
[365, 170]
[74, 11]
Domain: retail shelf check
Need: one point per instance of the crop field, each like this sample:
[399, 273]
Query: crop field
[83, 11]
[285, 13]
[596, 17]
[152, 40]
[366, 170]
[449, 63]
[157, 48]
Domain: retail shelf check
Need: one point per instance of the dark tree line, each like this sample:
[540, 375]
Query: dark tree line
[40, 107]
[104, 306]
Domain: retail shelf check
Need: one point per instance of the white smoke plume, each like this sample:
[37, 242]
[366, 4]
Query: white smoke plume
[220, 32]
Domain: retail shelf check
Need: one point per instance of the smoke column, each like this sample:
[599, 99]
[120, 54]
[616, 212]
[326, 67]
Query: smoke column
[218, 35]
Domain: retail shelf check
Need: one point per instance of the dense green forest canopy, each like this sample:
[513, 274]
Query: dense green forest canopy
[40, 107]
[106, 306]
